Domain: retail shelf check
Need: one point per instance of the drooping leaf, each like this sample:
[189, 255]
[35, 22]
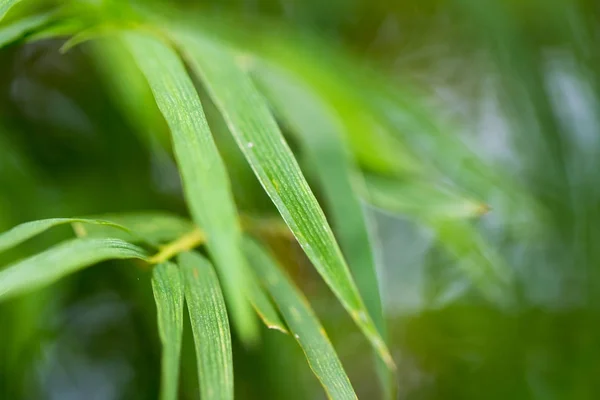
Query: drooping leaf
[153, 227]
[258, 136]
[302, 322]
[27, 230]
[480, 262]
[209, 325]
[6, 5]
[438, 142]
[17, 29]
[168, 294]
[62, 27]
[321, 140]
[421, 199]
[323, 72]
[205, 180]
[317, 68]
[447, 213]
[158, 227]
[61, 260]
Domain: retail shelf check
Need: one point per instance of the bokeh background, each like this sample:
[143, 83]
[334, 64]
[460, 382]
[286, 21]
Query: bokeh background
[516, 81]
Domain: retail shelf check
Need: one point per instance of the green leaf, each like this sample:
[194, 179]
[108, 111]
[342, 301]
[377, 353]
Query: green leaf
[447, 213]
[264, 307]
[17, 29]
[485, 268]
[318, 68]
[130, 91]
[27, 230]
[64, 27]
[209, 326]
[168, 294]
[257, 134]
[421, 199]
[6, 5]
[61, 260]
[303, 323]
[321, 140]
[205, 181]
[153, 227]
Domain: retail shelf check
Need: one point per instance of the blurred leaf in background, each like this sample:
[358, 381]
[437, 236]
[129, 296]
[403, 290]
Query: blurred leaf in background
[452, 145]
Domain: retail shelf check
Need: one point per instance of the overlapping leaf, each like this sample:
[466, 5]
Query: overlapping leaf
[155, 227]
[303, 324]
[63, 259]
[152, 227]
[295, 53]
[6, 5]
[259, 138]
[421, 199]
[168, 294]
[205, 181]
[130, 91]
[210, 327]
[27, 230]
[320, 139]
[480, 262]
[17, 29]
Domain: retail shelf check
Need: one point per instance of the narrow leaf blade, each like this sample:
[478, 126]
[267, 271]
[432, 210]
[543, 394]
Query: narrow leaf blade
[303, 323]
[479, 261]
[129, 90]
[420, 199]
[264, 307]
[320, 136]
[168, 294]
[17, 29]
[27, 230]
[6, 5]
[63, 259]
[210, 327]
[153, 227]
[263, 145]
[205, 180]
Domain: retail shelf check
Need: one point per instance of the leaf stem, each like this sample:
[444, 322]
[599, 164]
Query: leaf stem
[183, 243]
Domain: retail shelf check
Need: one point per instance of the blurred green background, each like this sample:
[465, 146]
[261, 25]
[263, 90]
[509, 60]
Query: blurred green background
[517, 82]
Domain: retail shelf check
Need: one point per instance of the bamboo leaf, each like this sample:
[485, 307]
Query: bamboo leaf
[27, 230]
[209, 326]
[6, 5]
[17, 29]
[156, 227]
[319, 68]
[321, 139]
[168, 294]
[303, 323]
[480, 262]
[65, 26]
[61, 260]
[421, 199]
[130, 91]
[264, 307]
[153, 227]
[258, 136]
[447, 213]
[205, 180]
